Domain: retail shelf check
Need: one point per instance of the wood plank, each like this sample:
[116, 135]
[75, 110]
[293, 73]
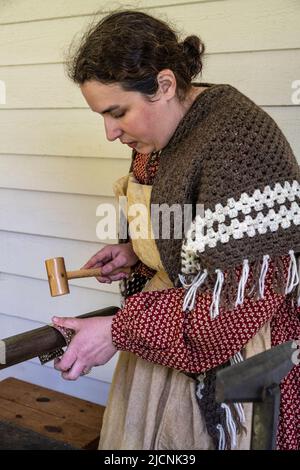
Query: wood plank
[51, 426]
[265, 76]
[76, 132]
[88, 176]
[40, 86]
[235, 21]
[25, 255]
[92, 389]
[65, 430]
[11, 325]
[39, 42]
[69, 216]
[56, 403]
[30, 299]
[65, 132]
[33, 10]
[235, 26]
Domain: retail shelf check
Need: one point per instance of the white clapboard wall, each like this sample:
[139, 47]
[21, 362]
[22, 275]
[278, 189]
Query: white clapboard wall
[56, 166]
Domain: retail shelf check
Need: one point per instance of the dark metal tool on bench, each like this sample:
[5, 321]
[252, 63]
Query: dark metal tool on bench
[257, 380]
[33, 343]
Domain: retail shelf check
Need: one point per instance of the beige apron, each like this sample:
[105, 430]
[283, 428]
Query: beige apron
[152, 406]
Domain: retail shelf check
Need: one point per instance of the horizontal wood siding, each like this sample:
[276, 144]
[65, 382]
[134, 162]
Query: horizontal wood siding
[265, 76]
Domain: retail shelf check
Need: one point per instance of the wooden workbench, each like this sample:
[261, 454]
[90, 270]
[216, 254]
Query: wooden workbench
[35, 417]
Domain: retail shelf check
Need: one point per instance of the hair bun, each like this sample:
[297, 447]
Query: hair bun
[193, 43]
[193, 49]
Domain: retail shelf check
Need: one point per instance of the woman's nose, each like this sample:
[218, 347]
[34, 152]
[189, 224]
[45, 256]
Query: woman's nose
[112, 129]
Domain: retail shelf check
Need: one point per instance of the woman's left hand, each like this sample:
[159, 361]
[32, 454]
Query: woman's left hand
[91, 345]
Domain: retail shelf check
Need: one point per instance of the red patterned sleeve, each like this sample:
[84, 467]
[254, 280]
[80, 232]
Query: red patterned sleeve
[153, 326]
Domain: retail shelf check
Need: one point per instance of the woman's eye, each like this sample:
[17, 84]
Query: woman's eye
[119, 115]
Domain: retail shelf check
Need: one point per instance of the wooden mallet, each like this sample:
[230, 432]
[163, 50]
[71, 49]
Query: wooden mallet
[58, 277]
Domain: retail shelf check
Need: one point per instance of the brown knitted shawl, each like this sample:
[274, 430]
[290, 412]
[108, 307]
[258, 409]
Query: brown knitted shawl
[228, 155]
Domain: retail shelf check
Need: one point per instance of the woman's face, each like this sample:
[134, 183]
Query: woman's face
[128, 116]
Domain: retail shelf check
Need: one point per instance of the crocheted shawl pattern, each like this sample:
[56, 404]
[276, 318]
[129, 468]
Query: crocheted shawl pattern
[230, 157]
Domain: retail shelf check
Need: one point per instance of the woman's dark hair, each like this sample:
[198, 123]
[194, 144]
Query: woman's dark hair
[131, 48]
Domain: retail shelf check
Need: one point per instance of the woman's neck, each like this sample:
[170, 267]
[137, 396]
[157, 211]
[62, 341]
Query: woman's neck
[193, 93]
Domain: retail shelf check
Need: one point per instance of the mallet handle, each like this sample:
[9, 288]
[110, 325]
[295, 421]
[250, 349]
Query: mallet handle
[93, 272]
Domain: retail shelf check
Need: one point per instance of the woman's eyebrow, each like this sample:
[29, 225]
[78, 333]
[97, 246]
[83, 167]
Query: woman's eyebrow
[109, 109]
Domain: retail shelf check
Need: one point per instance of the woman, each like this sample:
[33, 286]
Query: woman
[218, 294]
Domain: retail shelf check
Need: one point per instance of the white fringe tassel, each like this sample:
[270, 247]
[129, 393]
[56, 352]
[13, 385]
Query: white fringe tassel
[230, 425]
[298, 292]
[240, 411]
[222, 442]
[242, 283]
[293, 277]
[264, 270]
[214, 308]
[190, 296]
[237, 359]
[183, 282]
[200, 385]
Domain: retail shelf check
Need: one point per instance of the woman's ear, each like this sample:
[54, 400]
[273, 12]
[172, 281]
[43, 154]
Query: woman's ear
[167, 84]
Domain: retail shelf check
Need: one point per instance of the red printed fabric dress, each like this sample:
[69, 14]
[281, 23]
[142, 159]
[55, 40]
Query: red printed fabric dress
[153, 326]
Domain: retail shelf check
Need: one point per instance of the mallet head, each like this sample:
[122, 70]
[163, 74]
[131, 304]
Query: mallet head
[57, 276]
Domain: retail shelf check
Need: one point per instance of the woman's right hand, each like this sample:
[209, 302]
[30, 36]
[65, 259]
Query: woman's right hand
[113, 257]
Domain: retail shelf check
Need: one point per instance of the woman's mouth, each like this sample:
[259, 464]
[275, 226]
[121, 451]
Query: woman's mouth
[132, 144]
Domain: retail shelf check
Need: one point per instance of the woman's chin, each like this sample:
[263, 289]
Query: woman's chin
[145, 149]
